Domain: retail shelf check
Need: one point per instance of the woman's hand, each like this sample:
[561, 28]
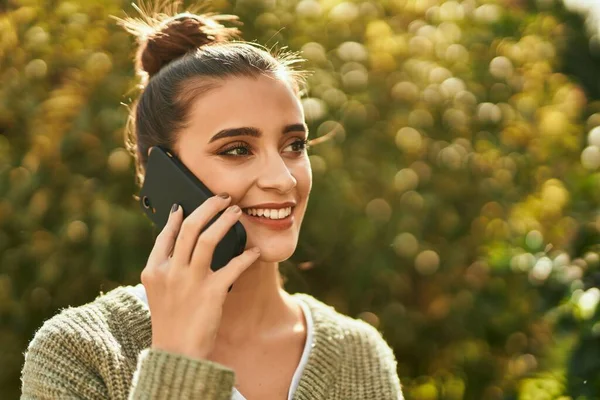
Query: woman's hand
[184, 295]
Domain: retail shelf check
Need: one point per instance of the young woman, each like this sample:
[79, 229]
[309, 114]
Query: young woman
[231, 113]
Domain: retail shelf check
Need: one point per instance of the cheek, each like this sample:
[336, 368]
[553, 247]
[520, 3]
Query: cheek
[226, 180]
[303, 174]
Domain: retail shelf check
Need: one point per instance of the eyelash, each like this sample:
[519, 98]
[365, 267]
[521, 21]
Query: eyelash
[245, 147]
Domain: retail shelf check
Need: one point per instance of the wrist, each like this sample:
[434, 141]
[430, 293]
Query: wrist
[200, 354]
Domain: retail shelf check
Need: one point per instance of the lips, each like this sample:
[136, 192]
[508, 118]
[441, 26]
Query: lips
[277, 216]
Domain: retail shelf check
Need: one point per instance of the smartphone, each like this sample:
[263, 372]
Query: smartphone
[169, 181]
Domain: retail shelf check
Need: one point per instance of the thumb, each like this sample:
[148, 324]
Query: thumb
[232, 271]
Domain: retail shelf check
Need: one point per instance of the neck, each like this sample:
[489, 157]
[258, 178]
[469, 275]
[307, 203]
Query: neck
[256, 304]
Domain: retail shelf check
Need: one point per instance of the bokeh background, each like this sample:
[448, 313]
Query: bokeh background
[456, 208]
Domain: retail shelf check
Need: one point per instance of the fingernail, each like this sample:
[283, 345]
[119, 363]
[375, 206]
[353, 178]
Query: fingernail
[234, 209]
[255, 249]
[224, 195]
[174, 208]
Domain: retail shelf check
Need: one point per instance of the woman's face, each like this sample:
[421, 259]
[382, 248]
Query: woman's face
[246, 138]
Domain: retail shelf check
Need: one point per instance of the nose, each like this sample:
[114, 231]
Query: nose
[275, 175]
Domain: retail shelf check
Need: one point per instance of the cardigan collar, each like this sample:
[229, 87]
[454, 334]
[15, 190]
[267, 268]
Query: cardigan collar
[323, 363]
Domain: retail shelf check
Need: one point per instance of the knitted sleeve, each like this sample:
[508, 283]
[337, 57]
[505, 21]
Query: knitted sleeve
[164, 375]
[387, 364]
[67, 359]
[378, 364]
[55, 367]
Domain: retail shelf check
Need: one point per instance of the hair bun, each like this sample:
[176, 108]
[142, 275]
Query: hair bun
[163, 38]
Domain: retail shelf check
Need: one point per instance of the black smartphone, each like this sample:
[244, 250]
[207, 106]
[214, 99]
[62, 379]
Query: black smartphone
[169, 181]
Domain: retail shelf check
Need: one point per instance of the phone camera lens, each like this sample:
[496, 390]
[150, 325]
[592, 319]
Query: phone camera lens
[146, 202]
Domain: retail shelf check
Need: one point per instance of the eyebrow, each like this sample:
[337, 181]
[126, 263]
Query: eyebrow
[255, 132]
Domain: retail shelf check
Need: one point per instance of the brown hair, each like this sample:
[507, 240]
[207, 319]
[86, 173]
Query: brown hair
[180, 57]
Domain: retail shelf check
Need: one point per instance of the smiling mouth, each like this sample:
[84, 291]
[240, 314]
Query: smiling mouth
[269, 213]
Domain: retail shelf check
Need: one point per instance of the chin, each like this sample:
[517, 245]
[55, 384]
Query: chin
[274, 251]
[274, 255]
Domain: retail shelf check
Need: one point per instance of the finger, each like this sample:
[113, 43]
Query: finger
[210, 238]
[229, 274]
[166, 238]
[193, 225]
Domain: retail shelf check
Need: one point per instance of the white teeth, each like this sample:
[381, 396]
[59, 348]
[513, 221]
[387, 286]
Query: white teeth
[279, 213]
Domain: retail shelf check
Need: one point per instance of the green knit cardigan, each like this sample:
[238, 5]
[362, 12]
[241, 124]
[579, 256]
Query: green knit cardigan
[101, 351]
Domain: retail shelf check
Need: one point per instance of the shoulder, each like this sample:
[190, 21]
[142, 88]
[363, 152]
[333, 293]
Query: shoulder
[364, 357]
[85, 339]
[355, 331]
[87, 323]
[73, 326]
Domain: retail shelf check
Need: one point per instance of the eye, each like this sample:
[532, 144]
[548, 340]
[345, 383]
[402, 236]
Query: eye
[236, 150]
[297, 146]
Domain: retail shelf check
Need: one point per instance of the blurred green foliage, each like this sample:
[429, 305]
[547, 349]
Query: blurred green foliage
[456, 209]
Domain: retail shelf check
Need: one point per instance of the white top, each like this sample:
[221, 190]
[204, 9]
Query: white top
[140, 292]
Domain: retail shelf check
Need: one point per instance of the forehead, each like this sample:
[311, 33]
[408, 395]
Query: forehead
[261, 102]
